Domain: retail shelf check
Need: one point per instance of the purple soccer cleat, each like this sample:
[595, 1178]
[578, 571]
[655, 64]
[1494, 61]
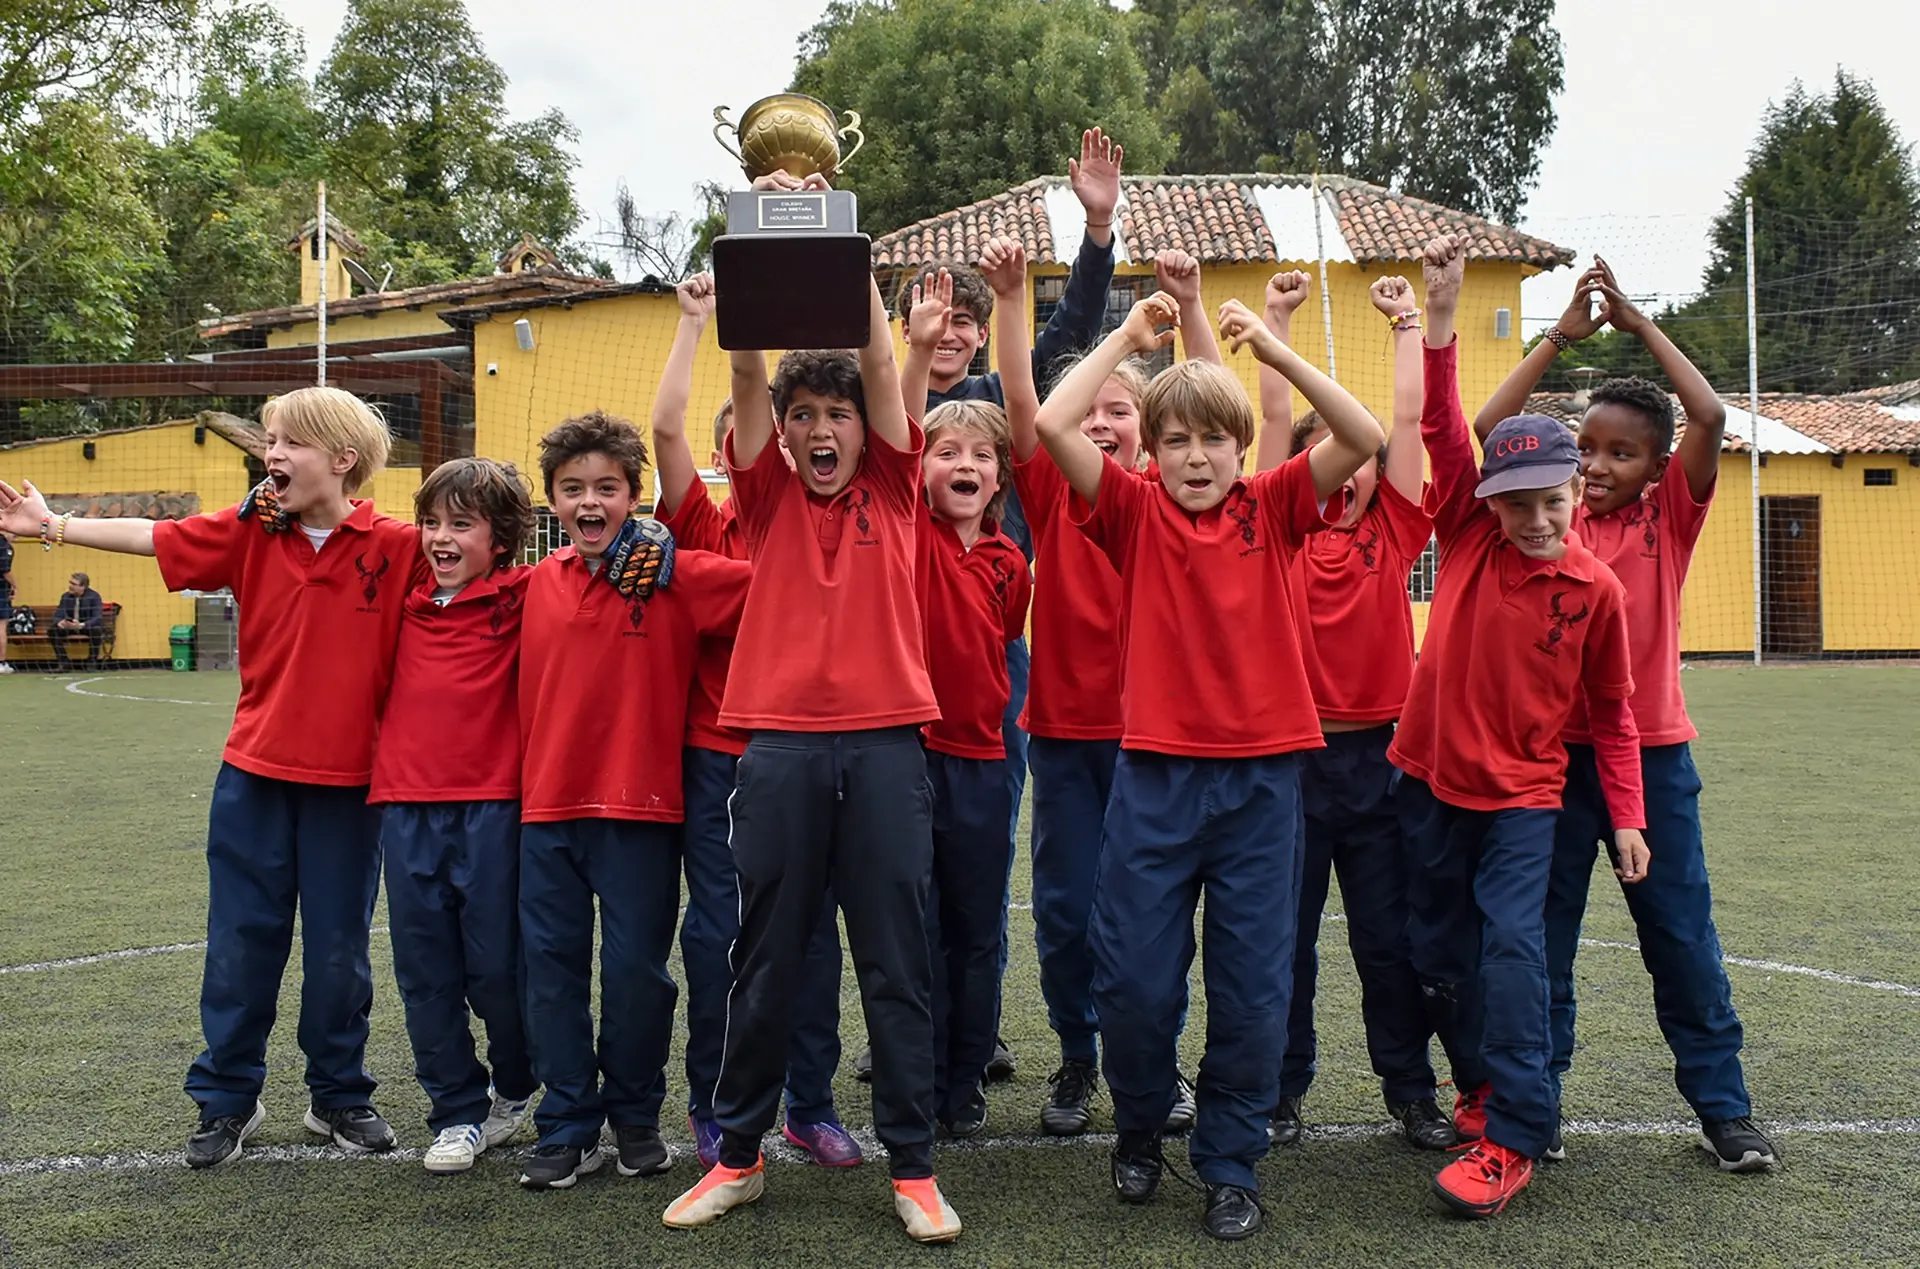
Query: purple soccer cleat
[827, 1143]
[706, 1140]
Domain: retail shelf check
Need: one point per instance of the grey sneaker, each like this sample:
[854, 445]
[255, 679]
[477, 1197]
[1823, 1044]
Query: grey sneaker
[504, 1118]
[218, 1140]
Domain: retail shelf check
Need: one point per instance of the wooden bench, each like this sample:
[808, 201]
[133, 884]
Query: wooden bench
[78, 647]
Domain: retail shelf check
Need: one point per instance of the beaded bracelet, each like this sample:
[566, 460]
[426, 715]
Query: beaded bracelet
[46, 533]
[1409, 320]
[60, 530]
[1559, 338]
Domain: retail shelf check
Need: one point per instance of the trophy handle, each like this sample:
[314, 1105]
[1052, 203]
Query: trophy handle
[853, 128]
[721, 128]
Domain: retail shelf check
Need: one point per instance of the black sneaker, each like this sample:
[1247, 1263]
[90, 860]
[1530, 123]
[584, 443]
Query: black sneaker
[1422, 1124]
[970, 1120]
[641, 1152]
[1557, 1148]
[1285, 1128]
[218, 1140]
[1066, 1113]
[1136, 1170]
[1233, 1213]
[557, 1167]
[1737, 1145]
[863, 1065]
[1002, 1065]
[358, 1129]
[1180, 1118]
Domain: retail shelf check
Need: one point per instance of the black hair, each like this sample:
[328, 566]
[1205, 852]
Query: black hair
[971, 294]
[1648, 399]
[827, 374]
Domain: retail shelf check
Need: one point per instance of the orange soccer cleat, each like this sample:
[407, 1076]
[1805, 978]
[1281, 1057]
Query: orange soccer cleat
[1482, 1180]
[929, 1217]
[718, 1192]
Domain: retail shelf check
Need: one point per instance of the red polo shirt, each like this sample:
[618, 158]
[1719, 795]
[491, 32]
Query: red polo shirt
[604, 684]
[1352, 586]
[1209, 645]
[1511, 641]
[831, 639]
[451, 729]
[1073, 687]
[976, 603]
[701, 524]
[317, 633]
[1649, 545]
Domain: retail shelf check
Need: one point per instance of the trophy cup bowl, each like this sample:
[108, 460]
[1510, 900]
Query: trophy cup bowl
[788, 132]
[792, 270]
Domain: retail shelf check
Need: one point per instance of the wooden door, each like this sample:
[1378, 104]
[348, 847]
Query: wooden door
[1790, 577]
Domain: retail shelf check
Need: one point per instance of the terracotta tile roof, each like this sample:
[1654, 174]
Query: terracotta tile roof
[1219, 220]
[541, 281]
[1855, 424]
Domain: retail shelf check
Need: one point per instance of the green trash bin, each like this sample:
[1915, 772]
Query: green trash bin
[181, 640]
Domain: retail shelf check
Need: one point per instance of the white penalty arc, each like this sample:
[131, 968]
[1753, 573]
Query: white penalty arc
[79, 688]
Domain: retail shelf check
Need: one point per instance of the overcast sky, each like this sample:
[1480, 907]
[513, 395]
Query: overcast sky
[1662, 100]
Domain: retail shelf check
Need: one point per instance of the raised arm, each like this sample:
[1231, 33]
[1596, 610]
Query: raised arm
[1699, 452]
[1179, 276]
[1443, 423]
[23, 513]
[886, 413]
[1576, 324]
[672, 456]
[929, 315]
[752, 407]
[1075, 323]
[1285, 293]
[1406, 460]
[1353, 437]
[1077, 457]
[1004, 265]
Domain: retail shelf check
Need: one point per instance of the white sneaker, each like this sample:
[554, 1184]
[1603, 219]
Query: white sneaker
[455, 1148]
[504, 1118]
[5, 668]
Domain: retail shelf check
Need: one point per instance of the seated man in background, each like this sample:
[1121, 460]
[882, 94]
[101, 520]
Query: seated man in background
[80, 612]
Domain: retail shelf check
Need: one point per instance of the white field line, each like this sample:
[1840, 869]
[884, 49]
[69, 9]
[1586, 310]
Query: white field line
[1742, 962]
[79, 688]
[784, 1154]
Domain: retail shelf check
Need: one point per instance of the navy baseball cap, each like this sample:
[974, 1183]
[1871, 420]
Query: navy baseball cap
[1527, 451]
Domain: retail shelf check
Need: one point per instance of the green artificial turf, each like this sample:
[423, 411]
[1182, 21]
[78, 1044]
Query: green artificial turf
[1812, 812]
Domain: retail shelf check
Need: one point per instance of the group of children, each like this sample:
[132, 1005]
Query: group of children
[803, 699]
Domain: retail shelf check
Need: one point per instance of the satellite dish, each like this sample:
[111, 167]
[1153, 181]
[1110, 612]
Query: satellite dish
[358, 273]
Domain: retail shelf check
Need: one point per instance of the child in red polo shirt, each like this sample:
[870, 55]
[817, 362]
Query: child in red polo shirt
[613, 626]
[1351, 586]
[1524, 621]
[449, 803]
[975, 594]
[830, 680]
[321, 580]
[1644, 508]
[709, 767]
[1073, 700]
[1214, 706]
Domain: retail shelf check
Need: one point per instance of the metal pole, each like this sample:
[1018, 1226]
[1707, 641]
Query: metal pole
[1753, 445]
[320, 227]
[1326, 296]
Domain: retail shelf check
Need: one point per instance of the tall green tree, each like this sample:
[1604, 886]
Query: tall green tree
[425, 156]
[1449, 102]
[961, 99]
[1836, 256]
[92, 48]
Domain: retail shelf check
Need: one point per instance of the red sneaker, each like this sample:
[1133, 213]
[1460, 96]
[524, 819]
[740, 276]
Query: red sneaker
[1479, 1183]
[1470, 1112]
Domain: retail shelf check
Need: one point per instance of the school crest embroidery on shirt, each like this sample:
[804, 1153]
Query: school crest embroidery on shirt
[1644, 518]
[1368, 549]
[501, 605]
[1243, 517]
[1002, 578]
[370, 576]
[1559, 621]
[858, 500]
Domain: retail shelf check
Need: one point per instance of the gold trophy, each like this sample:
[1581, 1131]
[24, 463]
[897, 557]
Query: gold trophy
[792, 270]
